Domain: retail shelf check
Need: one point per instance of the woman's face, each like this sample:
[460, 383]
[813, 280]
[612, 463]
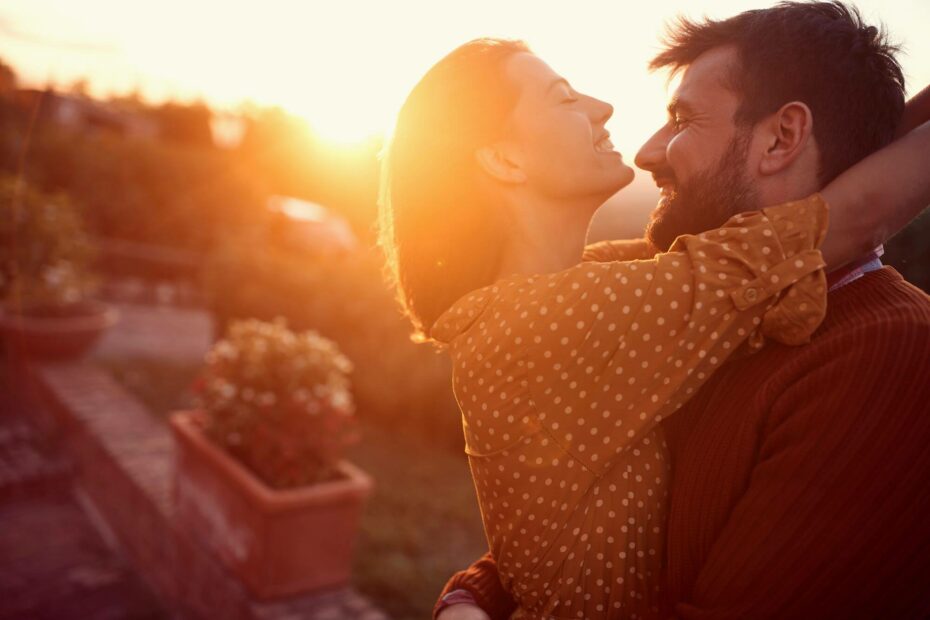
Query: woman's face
[557, 135]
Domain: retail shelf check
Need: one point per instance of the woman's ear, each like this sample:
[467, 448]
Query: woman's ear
[787, 134]
[498, 164]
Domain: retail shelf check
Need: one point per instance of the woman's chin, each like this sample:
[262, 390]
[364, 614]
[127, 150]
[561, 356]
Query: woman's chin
[619, 178]
[624, 176]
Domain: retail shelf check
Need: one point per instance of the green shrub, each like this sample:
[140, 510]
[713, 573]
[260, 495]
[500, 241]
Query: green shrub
[142, 190]
[45, 253]
[343, 297]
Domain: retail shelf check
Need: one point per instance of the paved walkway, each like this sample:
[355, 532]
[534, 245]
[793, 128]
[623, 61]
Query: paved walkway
[54, 565]
[53, 562]
[164, 332]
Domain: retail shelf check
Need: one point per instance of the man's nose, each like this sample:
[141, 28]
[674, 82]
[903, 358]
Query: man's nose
[651, 155]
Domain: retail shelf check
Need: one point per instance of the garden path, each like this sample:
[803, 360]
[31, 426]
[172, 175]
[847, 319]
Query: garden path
[54, 559]
[53, 562]
[166, 332]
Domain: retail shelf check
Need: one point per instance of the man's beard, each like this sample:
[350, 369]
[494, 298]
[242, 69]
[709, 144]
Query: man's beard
[706, 201]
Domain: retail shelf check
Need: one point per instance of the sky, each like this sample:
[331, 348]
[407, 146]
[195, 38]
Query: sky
[347, 65]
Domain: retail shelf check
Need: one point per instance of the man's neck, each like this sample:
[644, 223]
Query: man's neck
[794, 183]
[801, 185]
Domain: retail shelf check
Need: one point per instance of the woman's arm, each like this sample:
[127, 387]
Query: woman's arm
[613, 347]
[878, 196]
[916, 113]
[619, 249]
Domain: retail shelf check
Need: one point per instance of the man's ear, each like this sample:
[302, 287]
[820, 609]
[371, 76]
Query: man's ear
[497, 163]
[787, 134]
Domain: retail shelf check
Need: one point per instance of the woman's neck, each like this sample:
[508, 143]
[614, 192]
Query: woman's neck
[546, 239]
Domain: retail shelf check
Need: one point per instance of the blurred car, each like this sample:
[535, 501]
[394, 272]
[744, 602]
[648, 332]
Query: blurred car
[308, 226]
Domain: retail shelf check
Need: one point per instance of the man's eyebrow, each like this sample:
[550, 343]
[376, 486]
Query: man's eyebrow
[677, 105]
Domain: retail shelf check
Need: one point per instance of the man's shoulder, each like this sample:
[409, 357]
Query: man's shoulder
[890, 286]
[876, 324]
[877, 329]
[873, 342]
[878, 304]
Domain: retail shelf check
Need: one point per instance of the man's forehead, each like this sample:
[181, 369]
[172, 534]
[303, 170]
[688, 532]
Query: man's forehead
[707, 79]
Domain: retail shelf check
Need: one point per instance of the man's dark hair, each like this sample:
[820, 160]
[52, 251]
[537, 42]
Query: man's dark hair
[819, 53]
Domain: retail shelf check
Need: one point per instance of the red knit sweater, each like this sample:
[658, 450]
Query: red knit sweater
[801, 475]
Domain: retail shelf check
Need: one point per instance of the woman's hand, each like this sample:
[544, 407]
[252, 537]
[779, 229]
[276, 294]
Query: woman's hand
[463, 611]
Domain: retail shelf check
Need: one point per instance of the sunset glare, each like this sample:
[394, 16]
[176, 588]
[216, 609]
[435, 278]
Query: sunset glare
[346, 67]
[351, 310]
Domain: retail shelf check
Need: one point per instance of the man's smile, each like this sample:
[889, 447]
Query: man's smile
[665, 183]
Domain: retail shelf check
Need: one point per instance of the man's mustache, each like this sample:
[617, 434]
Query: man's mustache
[663, 178]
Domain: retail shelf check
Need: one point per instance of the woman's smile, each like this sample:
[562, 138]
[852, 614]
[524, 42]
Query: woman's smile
[604, 145]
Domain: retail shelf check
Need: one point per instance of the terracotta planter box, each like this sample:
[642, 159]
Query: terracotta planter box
[278, 542]
[59, 337]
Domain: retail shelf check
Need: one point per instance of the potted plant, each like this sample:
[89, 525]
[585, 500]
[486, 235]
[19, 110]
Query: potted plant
[260, 474]
[45, 280]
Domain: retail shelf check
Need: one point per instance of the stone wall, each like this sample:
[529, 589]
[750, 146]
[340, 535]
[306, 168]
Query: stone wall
[124, 462]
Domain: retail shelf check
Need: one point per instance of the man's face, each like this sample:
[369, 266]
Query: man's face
[699, 157]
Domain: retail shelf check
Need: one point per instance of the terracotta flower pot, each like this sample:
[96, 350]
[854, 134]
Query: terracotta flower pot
[56, 333]
[278, 542]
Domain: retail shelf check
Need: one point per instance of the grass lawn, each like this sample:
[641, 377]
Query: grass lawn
[422, 521]
[421, 525]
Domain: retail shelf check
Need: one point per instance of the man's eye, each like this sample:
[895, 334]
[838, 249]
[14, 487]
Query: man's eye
[678, 122]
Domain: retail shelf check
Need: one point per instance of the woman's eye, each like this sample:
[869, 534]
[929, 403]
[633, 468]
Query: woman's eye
[567, 95]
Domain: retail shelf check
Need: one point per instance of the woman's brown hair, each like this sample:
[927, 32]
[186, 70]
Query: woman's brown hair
[441, 234]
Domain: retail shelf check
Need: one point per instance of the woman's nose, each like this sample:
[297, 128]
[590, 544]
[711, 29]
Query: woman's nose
[651, 155]
[601, 111]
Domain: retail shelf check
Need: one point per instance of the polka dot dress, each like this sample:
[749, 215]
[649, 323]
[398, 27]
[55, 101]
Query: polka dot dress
[563, 377]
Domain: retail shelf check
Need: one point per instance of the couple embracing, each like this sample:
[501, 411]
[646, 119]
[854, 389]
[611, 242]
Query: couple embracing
[727, 419]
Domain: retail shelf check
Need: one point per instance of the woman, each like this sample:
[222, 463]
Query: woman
[561, 369]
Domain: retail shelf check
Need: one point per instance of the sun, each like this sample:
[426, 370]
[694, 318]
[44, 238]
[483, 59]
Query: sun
[341, 127]
[344, 113]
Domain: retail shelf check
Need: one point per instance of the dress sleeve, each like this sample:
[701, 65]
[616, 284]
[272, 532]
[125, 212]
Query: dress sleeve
[616, 346]
[619, 250]
[482, 581]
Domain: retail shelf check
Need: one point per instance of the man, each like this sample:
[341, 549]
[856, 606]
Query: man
[800, 486]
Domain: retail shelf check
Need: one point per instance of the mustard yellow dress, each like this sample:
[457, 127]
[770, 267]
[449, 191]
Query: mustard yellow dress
[562, 378]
